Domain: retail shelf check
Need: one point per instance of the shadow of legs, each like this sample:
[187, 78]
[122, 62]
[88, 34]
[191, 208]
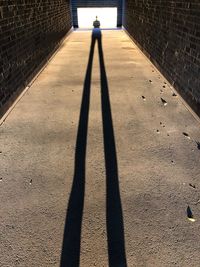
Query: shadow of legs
[72, 234]
[114, 217]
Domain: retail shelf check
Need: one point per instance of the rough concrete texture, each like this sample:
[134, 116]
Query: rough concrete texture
[158, 166]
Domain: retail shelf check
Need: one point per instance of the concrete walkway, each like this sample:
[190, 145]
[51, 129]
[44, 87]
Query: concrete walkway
[148, 156]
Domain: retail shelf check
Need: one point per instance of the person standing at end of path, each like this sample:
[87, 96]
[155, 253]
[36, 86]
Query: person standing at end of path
[96, 23]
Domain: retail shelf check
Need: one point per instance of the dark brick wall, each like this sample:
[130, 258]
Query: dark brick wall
[30, 31]
[96, 3]
[169, 33]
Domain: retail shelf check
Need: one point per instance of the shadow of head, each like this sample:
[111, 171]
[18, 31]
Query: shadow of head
[96, 33]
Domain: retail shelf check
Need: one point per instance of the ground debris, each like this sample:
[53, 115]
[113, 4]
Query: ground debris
[163, 101]
[192, 185]
[144, 98]
[198, 145]
[190, 214]
[186, 135]
[197, 202]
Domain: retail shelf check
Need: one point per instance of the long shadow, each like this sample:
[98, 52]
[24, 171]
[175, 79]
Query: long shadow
[70, 256]
[114, 219]
[114, 216]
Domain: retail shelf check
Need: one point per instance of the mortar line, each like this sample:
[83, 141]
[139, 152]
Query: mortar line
[180, 98]
[25, 90]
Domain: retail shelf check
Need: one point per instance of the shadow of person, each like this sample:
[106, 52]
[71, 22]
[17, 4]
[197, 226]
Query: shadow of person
[114, 216]
[70, 256]
[96, 34]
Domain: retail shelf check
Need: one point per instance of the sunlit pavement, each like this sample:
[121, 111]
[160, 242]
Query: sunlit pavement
[157, 164]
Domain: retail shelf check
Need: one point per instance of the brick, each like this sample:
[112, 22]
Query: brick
[177, 22]
[30, 31]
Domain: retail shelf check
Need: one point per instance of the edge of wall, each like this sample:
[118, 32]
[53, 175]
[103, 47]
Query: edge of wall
[188, 100]
[6, 109]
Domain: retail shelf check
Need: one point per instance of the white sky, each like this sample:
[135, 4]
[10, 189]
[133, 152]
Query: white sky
[106, 16]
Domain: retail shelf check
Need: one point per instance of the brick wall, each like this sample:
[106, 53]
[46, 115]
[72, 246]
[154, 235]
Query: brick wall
[30, 31]
[169, 33]
[97, 3]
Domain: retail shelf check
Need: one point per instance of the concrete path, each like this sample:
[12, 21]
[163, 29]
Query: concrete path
[137, 198]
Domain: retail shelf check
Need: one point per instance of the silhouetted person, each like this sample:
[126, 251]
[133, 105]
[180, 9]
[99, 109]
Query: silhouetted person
[96, 23]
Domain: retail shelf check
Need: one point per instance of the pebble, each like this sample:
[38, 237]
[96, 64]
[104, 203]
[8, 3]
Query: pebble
[186, 135]
[163, 101]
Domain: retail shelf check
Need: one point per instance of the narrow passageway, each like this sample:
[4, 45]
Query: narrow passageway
[100, 161]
